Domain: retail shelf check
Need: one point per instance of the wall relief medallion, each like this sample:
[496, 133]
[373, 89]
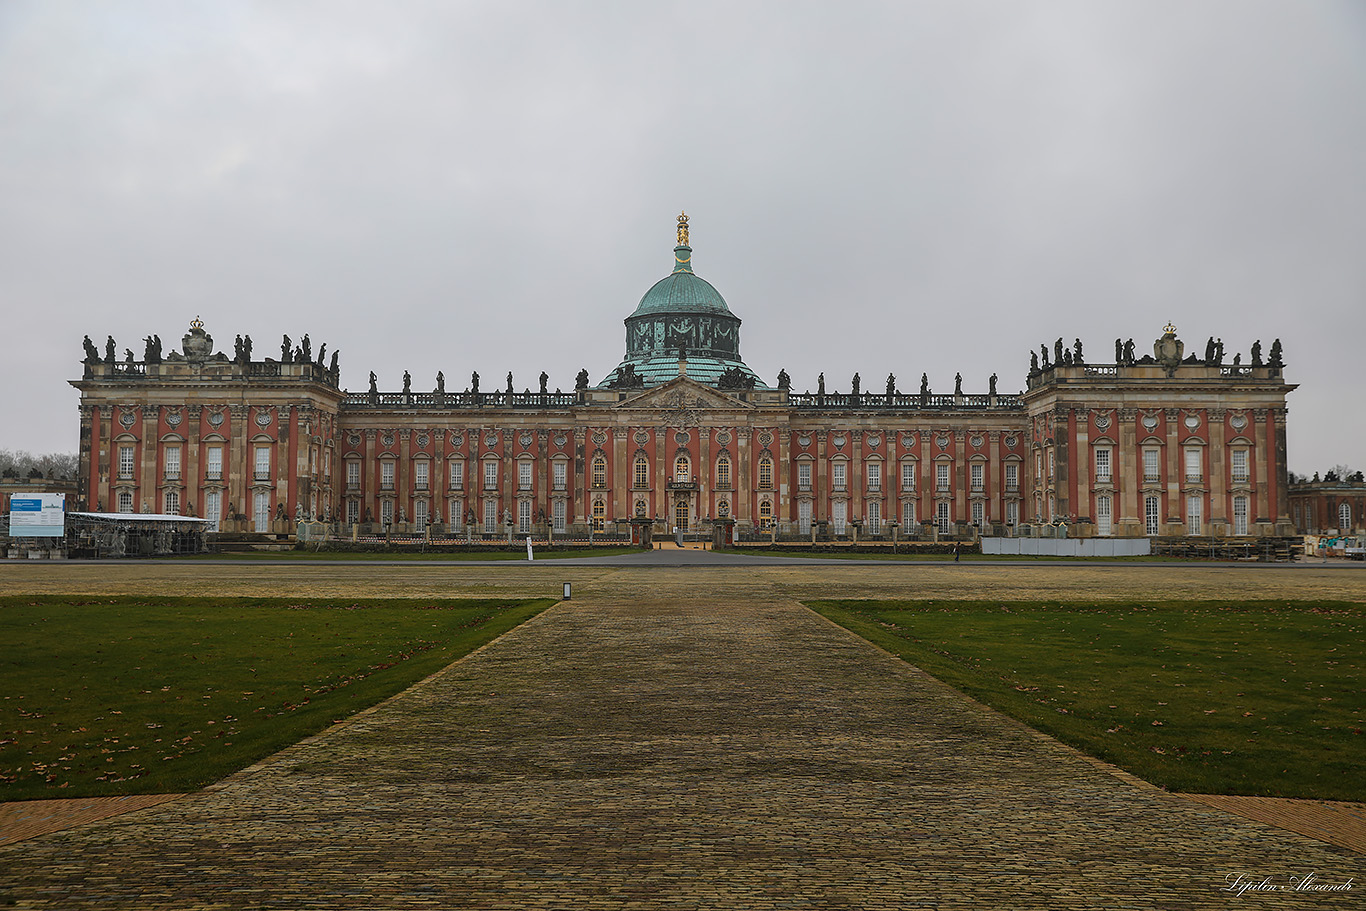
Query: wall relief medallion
[682, 437]
[1192, 421]
[173, 418]
[908, 440]
[388, 438]
[765, 438]
[1011, 440]
[215, 419]
[422, 440]
[1238, 422]
[874, 441]
[456, 439]
[599, 437]
[561, 439]
[642, 437]
[1102, 422]
[1149, 422]
[942, 442]
[723, 437]
[803, 440]
[976, 440]
[353, 439]
[263, 417]
[127, 419]
[491, 438]
[526, 439]
[837, 441]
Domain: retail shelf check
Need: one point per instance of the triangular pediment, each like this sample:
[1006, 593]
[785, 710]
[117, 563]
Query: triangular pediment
[683, 395]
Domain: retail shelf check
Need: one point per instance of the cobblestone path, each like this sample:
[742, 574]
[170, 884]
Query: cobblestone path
[718, 748]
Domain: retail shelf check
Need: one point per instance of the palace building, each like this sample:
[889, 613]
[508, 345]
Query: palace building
[681, 433]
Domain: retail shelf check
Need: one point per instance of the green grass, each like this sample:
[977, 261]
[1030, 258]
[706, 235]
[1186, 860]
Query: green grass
[1258, 698]
[132, 695]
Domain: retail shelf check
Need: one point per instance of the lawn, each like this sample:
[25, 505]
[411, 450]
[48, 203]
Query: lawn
[140, 695]
[1257, 697]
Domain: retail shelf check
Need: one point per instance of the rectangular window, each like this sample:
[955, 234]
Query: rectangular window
[213, 509]
[1013, 512]
[804, 515]
[353, 474]
[941, 476]
[558, 512]
[524, 475]
[125, 501]
[839, 516]
[1104, 519]
[1240, 475]
[874, 517]
[978, 513]
[172, 466]
[642, 473]
[352, 511]
[1102, 466]
[490, 475]
[560, 475]
[386, 512]
[260, 510]
[125, 463]
[908, 516]
[456, 510]
[386, 475]
[172, 504]
[945, 524]
[837, 472]
[457, 474]
[908, 476]
[975, 474]
[490, 515]
[420, 470]
[420, 514]
[1051, 465]
[1151, 517]
[1240, 515]
[213, 463]
[874, 475]
[1152, 470]
[1193, 470]
[262, 469]
[524, 516]
[803, 475]
[1194, 514]
[1012, 476]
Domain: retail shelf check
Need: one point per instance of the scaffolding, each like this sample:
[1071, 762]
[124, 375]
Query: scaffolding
[101, 535]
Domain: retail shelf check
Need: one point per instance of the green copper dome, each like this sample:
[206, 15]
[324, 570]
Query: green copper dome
[683, 320]
[681, 291]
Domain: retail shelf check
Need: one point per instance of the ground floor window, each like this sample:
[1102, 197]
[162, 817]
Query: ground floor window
[490, 517]
[213, 508]
[599, 515]
[1012, 512]
[172, 503]
[420, 514]
[874, 517]
[1151, 515]
[456, 510]
[1345, 518]
[979, 510]
[1194, 514]
[1240, 515]
[125, 501]
[557, 512]
[524, 516]
[945, 523]
[386, 512]
[681, 513]
[260, 510]
[908, 516]
[1104, 519]
[839, 516]
[352, 512]
[765, 514]
[804, 517]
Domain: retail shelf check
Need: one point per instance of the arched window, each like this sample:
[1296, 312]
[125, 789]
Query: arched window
[766, 472]
[599, 515]
[723, 472]
[765, 513]
[642, 472]
[1345, 518]
[599, 470]
[682, 469]
[681, 515]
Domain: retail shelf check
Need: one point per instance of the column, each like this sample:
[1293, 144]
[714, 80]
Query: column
[581, 516]
[147, 486]
[1218, 470]
[744, 485]
[1129, 464]
[856, 480]
[996, 510]
[194, 476]
[369, 504]
[239, 478]
[403, 488]
[1176, 472]
[1081, 486]
[821, 509]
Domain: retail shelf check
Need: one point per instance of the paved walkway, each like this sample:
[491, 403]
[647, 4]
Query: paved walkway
[724, 751]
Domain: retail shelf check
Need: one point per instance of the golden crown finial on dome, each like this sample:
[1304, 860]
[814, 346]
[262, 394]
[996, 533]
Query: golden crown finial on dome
[196, 323]
[683, 229]
[1169, 329]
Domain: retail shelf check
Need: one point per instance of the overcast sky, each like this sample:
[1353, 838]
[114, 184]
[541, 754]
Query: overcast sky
[876, 187]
